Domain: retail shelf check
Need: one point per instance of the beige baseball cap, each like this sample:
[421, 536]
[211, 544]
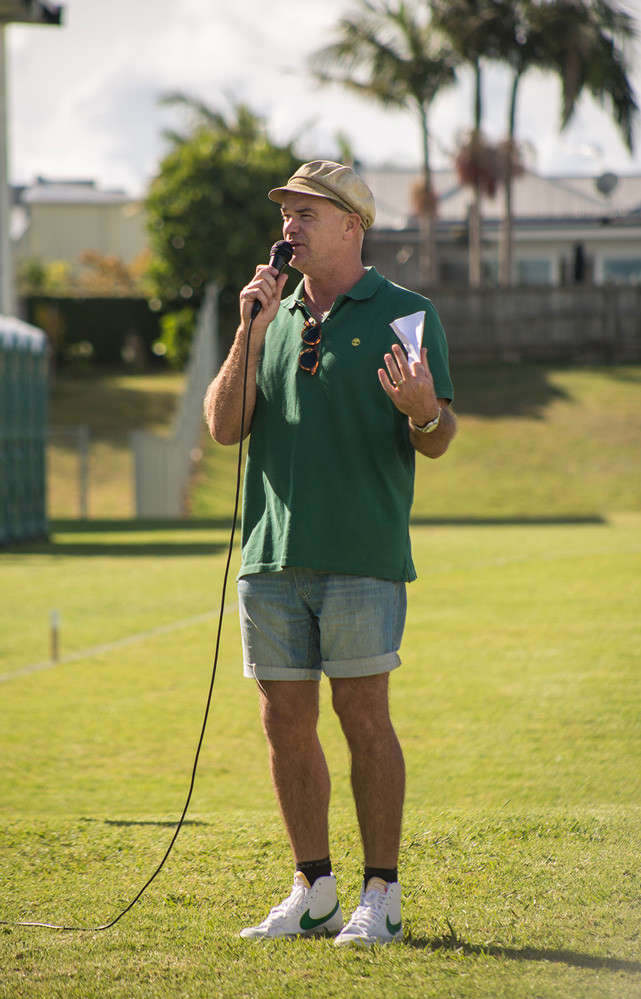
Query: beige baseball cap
[334, 181]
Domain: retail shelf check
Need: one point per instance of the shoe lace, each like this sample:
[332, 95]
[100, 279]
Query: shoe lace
[283, 908]
[366, 914]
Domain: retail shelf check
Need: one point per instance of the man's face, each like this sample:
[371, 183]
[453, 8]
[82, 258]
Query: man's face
[315, 228]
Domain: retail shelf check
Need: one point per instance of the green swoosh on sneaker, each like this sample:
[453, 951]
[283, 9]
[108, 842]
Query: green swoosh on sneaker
[307, 922]
[393, 928]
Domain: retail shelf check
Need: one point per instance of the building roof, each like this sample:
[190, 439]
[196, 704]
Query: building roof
[535, 199]
[68, 192]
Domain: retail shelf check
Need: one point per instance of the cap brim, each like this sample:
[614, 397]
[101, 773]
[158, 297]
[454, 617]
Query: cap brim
[316, 190]
[278, 194]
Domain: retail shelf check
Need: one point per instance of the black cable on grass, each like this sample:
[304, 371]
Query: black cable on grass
[116, 919]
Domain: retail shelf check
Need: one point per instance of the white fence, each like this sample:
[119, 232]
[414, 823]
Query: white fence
[163, 465]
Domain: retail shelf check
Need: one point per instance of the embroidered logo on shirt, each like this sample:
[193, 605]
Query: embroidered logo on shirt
[356, 342]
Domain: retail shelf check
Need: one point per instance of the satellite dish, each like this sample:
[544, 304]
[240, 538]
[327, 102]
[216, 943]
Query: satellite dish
[606, 183]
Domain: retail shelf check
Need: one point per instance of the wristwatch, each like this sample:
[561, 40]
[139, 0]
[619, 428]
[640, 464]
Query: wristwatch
[429, 427]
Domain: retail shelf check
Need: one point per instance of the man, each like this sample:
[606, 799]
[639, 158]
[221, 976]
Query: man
[336, 412]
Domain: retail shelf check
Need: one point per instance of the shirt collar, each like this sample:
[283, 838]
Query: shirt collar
[362, 290]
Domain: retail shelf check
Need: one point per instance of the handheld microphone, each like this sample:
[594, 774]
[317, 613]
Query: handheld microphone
[279, 255]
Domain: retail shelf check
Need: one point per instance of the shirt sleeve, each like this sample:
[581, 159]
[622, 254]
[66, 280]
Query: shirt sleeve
[437, 353]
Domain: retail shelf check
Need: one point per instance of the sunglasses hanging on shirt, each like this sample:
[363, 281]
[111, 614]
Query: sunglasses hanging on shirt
[309, 356]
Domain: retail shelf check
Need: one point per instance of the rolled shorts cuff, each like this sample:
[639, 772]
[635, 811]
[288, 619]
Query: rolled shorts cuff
[336, 669]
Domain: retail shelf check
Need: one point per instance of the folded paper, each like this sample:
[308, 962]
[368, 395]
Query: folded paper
[409, 330]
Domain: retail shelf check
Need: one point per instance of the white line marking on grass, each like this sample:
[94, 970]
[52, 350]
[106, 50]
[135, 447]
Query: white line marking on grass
[163, 629]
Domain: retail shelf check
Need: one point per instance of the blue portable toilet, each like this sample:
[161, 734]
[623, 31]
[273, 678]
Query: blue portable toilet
[24, 375]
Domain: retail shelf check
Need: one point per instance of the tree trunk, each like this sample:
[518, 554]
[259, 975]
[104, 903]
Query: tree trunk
[425, 207]
[474, 237]
[428, 271]
[475, 209]
[506, 241]
[506, 251]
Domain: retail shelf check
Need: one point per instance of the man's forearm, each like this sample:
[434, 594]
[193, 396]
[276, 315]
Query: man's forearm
[224, 397]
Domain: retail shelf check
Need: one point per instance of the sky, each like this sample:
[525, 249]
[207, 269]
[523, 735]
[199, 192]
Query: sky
[83, 99]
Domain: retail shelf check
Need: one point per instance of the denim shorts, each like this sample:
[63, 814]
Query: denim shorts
[297, 624]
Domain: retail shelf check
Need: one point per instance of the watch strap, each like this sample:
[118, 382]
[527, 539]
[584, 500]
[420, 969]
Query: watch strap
[429, 427]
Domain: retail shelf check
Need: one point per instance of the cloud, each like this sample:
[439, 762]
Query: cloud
[84, 97]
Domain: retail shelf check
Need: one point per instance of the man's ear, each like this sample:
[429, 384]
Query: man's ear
[352, 225]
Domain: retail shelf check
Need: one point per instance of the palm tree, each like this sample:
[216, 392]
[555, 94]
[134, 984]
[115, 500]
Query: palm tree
[386, 51]
[586, 44]
[583, 42]
[242, 122]
[522, 48]
[476, 29]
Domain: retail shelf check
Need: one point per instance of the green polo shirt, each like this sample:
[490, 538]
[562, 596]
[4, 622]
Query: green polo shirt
[329, 480]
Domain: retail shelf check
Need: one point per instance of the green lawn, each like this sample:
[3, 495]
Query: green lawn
[534, 442]
[518, 705]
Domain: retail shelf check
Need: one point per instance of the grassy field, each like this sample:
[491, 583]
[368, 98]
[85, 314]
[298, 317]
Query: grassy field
[518, 705]
[535, 442]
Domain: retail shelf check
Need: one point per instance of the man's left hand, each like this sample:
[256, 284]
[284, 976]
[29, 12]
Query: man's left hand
[410, 386]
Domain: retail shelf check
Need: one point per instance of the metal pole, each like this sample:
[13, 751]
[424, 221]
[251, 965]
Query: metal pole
[6, 277]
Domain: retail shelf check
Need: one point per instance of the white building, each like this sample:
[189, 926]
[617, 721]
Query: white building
[566, 229]
[60, 220]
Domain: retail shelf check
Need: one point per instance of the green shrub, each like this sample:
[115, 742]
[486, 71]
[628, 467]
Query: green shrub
[176, 336]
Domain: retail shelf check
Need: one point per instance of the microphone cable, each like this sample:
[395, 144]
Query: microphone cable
[159, 867]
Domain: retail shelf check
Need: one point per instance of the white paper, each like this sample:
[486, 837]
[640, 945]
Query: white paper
[409, 330]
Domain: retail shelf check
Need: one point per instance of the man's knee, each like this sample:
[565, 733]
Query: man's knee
[361, 704]
[289, 710]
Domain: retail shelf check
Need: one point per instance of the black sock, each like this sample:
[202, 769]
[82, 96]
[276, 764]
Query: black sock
[389, 874]
[313, 869]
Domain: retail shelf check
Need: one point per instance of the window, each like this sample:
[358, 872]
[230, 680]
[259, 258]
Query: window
[534, 271]
[622, 270]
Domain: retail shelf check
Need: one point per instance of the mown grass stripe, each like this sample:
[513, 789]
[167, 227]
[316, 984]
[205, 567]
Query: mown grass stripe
[71, 657]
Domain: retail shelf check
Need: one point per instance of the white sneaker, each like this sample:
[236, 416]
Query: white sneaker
[377, 919]
[306, 912]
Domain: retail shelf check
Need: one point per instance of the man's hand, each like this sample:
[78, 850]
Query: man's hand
[265, 287]
[410, 386]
